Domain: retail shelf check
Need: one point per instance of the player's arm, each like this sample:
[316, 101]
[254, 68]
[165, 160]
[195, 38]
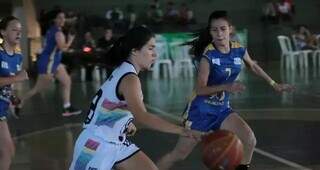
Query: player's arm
[21, 76]
[202, 79]
[132, 94]
[62, 44]
[254, 67]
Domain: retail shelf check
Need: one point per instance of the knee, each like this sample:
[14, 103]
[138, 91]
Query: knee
[67, 82]
[251, 140]
[7, 150]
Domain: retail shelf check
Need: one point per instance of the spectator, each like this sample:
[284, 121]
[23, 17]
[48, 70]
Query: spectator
[154, 15]
[185, 15]
[115, 16]
[304, 39]
[107, 40]
[171, 14]
[131, 17]
[284, 11]
[156, 3]
[89, 41]
[270, 12]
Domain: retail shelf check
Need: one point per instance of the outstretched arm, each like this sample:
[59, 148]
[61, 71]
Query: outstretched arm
[130, 88]
[254, 67]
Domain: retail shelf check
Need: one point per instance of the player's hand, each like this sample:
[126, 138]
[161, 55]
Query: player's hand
[22, 75]
[71, 37]
[197, 135]
[283, 87]
[131, 129]
[235, 87]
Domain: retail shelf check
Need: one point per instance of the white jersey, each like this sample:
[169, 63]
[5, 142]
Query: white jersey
[108, 117]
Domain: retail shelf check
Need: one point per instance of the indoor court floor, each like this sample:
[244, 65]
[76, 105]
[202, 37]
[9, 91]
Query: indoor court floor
[286, 125]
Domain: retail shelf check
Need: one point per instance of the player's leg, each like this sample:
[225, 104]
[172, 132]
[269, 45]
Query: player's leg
[65, 80]
[43, 82]
[237, 125]
[6, 146]
[182, 149]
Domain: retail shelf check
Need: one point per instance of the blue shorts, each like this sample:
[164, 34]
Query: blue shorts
[4, 107]
[47, 65]
[204, 119]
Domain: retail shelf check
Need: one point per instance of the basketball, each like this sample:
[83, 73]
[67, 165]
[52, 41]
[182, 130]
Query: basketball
[221, 150]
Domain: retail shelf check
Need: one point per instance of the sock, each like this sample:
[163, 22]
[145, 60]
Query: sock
[66, 105]
[243, 167]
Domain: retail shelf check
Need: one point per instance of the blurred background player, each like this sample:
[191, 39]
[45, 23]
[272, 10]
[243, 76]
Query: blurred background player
[49, 64]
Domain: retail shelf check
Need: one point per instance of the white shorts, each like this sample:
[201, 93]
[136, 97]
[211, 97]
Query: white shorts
[94, 153]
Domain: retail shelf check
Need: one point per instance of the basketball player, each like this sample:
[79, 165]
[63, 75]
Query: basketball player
[219, 65]
[10, 72]
[103, 143]
[49, 64]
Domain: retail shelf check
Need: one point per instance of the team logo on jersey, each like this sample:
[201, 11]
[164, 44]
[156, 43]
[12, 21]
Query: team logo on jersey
[216, 61]
[237, 61]
[4, 64]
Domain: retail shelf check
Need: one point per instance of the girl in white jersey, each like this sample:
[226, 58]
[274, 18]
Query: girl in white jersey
[119, 101]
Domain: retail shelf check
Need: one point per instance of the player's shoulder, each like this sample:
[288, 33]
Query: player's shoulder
[209, 48]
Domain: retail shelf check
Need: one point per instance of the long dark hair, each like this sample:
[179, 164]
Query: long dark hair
[49, 18]
[120, 51]
[5, 22]
[202, 37]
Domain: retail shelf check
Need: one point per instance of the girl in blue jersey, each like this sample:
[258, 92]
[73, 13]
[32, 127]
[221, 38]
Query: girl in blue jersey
[49, 63]
[219, 65]
[118, 103]
[10, 72]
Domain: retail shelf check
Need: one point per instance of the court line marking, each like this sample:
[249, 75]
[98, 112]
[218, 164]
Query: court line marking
[282, 160]
[259, 151]
[170, 116]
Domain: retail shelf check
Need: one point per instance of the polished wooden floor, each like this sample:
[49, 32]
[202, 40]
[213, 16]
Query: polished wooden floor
[286, 125]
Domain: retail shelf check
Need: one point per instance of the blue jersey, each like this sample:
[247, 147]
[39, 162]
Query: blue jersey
[51, 55]
[10, 65]
[224, 69]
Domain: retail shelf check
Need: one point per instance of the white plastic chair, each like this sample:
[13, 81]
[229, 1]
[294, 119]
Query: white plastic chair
[288, 56]
[318, 40]
[164, 60]
[181, 58]
[305, 53]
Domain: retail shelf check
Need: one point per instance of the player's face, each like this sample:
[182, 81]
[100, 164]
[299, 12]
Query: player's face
[60, 19]
[147, 54]
[220, 31]
[12, 34]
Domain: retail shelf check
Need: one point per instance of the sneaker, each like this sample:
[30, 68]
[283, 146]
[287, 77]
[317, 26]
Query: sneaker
[70, 111]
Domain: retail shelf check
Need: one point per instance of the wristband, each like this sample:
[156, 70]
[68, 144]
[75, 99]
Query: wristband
[272, 83]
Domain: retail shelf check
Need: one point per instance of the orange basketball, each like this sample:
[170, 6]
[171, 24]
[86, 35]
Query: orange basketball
[221, 150]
